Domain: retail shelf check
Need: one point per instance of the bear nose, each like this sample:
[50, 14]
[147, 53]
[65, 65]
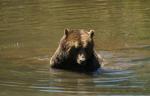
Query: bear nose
[81, 58]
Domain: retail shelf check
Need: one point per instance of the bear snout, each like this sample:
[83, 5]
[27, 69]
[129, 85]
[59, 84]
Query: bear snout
[81, 58]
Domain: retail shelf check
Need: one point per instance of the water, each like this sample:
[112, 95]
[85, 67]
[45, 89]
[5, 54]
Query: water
[31, 29]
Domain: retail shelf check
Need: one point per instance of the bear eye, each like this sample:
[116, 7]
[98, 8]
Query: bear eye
[88, 46]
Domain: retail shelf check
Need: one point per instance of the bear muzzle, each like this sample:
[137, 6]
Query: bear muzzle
[81, 59]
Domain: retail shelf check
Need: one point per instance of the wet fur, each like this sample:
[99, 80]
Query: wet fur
[67, 51]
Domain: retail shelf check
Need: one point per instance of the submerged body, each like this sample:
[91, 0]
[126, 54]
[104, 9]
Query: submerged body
[76, 52]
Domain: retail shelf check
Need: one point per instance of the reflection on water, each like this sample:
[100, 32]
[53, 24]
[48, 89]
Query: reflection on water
[30, 32]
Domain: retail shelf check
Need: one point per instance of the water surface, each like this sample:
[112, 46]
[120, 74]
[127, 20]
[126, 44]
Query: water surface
[31, 29]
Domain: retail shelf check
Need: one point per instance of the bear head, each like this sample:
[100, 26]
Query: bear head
[78, 45]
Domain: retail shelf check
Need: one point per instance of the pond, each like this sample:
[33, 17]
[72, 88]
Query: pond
[30, 31]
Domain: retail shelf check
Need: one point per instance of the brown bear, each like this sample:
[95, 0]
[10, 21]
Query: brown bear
[76, 52]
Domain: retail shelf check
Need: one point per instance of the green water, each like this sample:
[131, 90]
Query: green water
[31, 29]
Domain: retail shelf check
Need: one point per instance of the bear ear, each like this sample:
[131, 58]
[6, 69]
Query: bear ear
[91, 33]
[66, 32]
